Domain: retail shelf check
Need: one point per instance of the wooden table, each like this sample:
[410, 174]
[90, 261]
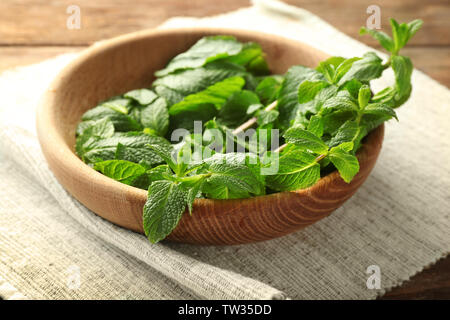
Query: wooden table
[33, 30]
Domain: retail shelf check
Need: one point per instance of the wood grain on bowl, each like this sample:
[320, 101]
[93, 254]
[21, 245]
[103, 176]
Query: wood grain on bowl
[128, 62]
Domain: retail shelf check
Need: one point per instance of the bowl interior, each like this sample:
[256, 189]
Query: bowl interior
[127, 63]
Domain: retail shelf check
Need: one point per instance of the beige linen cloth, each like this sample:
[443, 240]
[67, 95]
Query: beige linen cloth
[52, 247]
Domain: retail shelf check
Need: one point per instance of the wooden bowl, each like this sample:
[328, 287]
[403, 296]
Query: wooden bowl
[115, 66]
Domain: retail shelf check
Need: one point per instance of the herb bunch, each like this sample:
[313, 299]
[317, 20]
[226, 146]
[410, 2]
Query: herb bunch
[322, 113]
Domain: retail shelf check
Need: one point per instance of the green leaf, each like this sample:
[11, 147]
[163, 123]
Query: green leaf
[125, 146]
[403, 32]
[91, 132]
[368, 68]
[167, 155]
[413, 27]
[252, 57]
[121, 170]
[315, 125]
[216, 94]
[258, 66]
[385, 41]
[305, 140]
[334, 120]
[174, 87]
[254, 108]
[403, 68]
[346, 133]
[328, 67]
[141, 96]
[309, 89]
[265, 117]
[120, 105]
[234, 111]
[163, 210]
[334, 68]
[364, 96]
[193, 187]
[156, 116]
[232, 177]
[343, 68]
[115, 113]
[185, 118]
[297, 169]
[159, 173]
[343, 101]
[204, 105]
[267, 90]
[353, 87]
[380, 109]
[206, 50]
[288, 104]
[347, 164]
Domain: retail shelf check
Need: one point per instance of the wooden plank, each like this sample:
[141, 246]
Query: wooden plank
[42, 22]
[438, 67]
[11, 57]
[434, 61]
[432, 283]
[349, 15]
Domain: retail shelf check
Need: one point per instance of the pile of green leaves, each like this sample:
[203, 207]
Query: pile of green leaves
[323, 115]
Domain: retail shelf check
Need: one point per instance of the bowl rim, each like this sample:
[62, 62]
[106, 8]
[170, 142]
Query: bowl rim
[66, 154]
